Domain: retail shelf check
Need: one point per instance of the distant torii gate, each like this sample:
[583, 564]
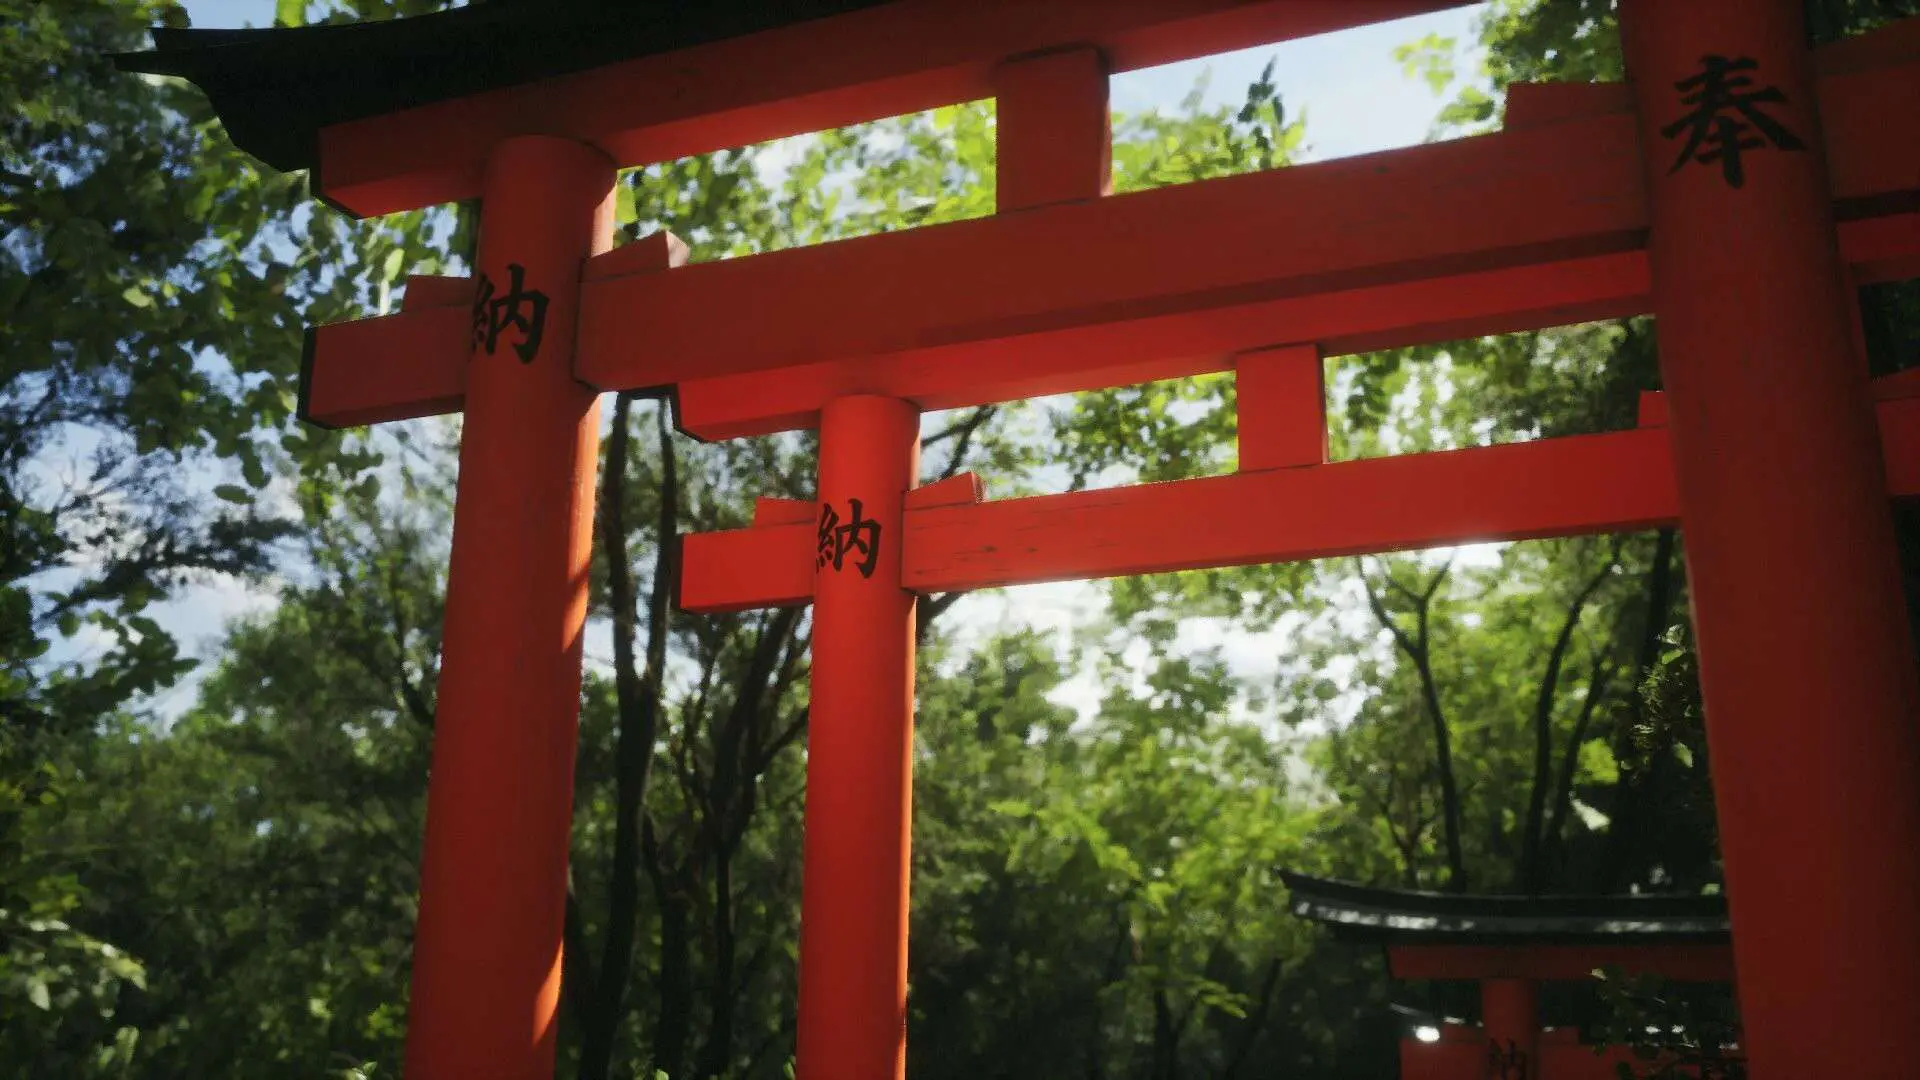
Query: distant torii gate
[1510, 946]
[1710, 192]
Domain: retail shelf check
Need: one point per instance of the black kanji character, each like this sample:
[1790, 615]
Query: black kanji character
[1725, 116]
[492, 315]
[836, 540]
[1508, 1064]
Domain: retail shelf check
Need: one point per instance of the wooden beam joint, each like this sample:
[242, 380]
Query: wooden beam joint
[1282, 400]
[414, 363]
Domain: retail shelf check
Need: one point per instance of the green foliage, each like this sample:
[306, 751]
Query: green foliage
[1430, 59]
[1110, 879]
[153, 286]
[260, 857]
[1674, 1030]
[59, 989]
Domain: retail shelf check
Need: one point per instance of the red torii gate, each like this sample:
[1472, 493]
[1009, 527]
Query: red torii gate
[1742, 229]
[1511, 945]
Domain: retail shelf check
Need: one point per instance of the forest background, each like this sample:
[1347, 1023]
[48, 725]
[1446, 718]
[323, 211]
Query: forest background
[226, 885]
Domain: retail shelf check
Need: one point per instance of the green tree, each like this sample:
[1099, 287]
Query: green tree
[153, 286]
[260, 856]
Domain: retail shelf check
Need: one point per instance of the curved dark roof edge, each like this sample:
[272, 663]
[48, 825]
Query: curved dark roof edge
[1382, 916]
[1422, 902]
[274, 89]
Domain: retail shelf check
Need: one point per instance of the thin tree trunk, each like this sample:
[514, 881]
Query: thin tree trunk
[674, 1021]
[1255, 1023]
[1530, 870]
[1417, 650]
[931, 607]
[1116, 962]
[1599, 682]
[730, 804]
[1166, 1040]
[715, 1057]
[577, 981]
[1443, 761]
[638, 697]
[1623, 833]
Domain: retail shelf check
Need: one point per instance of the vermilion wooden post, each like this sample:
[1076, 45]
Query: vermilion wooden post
[486, 961]
[1282, 399]
[1810, 689]
[1510, 1018]
[1053, 131]
[853, 914]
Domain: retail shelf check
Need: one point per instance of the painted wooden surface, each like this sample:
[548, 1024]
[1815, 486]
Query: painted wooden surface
[411, 364]
[485, 975]
[883, 61]
[1485, 235]
[1806, 674]
[1281, 399]
[1131, 277]
[395, 367]
[1052, 129]
[1561, 963]
[414, 363]
[1554, 487]
[1540, 226]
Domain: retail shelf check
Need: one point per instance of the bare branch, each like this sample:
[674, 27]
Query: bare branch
[638, 696]
[928, 609]
[1416, 649]
[1543, 709]
[962, 433]
[1599, 687]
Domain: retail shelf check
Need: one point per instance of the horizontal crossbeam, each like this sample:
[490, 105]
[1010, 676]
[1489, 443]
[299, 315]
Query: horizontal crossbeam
[1691, 962]
[1613, 482]
[1531, 227]
[1134, 279]
[1194, 343]
[1539, 226]
[414, 363]
[888, 60]
[394, 367]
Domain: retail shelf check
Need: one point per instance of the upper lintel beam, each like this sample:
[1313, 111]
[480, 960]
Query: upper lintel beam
[1538, 226]
[887, 60]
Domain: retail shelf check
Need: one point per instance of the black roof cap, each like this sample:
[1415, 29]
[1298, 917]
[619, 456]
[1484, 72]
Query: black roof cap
[276, 88]
[1408, 917]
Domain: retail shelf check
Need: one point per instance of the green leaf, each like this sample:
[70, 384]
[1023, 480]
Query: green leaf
[37, 993]
[290, 12]
[233, 493]
[625, 210]
[133, 295]
[1597, 764]
[1683, 754]
[721, 190]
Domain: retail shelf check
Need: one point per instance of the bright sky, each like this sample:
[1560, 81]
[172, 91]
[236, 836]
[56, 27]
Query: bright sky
[1355, 99]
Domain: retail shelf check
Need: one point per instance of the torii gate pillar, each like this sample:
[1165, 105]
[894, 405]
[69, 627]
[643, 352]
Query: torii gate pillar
[853, 906]
[1805, 665]
[1510, 1015]
[493, 876]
